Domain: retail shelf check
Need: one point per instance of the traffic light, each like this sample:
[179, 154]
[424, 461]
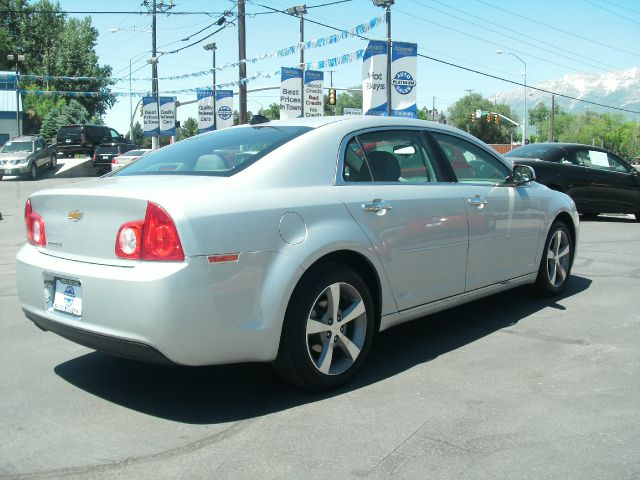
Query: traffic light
[496, 118]
[332, 96]
[488, 117]
[473, 118]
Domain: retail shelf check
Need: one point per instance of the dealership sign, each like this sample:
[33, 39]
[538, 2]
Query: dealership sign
[206, 121]
[403, 79]
[150, 125]
[290, 93]
[224, 109]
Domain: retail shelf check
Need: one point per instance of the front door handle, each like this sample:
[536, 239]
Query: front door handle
[477, 201]
[376, 205]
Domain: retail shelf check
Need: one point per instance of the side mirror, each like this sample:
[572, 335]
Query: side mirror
[523, 174]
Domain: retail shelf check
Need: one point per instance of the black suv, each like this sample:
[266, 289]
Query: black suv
[72, 139]
[105, 153]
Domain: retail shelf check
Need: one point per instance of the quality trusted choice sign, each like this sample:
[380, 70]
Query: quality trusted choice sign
[206, 120]
[313, 93]
[224, 109]
[150, 125]
[403, 79]
[290, 93]
[167, 116]
[374, 78]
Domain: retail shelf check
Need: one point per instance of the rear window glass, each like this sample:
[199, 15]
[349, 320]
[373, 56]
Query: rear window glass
[541, 151]
[69, 131]
[135, 153]
[106, 150]
[221, 153]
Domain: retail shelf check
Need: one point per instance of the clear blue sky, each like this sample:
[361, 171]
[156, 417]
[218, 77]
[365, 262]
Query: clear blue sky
[558, 38]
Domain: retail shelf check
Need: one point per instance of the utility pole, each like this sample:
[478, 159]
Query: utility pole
[552, 119]
[242, 53]
[213, 48]
[300, 11]
[387, 5]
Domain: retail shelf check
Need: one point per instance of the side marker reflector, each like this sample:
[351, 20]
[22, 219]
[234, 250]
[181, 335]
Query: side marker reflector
[227, 257]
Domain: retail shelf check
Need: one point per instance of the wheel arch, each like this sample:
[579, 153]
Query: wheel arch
[362, 266]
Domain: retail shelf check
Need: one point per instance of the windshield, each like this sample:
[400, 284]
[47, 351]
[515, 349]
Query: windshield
[220, 153]
[15, 147]
[541, 151]
[106, 150]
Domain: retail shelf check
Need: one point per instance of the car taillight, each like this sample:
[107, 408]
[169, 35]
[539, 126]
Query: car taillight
[154, 238]
[114, 161]
[35, 226]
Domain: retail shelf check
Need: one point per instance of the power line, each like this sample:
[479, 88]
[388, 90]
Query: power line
[611, 12]
[622, 6]
[104, 12]
[198, 41]
[502, 27]
[602, 44]
[475, 71]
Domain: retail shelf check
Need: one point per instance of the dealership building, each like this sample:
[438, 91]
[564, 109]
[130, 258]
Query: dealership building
[8, 124]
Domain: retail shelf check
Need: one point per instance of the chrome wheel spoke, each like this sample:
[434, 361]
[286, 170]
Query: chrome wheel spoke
[565, 251]
[315, 326]
[326, 357]
[550, 254]
[349, 348]
[552, 272]
[561, 272]
[354, 311]
[333, 295]
[558, 239]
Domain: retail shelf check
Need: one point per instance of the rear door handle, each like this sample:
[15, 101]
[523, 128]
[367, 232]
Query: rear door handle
[376, 205]
[477, 201]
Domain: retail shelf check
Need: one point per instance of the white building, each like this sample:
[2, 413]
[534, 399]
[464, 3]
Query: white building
[8, 125]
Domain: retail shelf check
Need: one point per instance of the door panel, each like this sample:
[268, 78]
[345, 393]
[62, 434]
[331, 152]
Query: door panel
[421, 240]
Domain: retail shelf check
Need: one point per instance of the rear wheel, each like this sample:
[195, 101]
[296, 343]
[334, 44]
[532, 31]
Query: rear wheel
[328, 329]
[557, 259]
[53, 161]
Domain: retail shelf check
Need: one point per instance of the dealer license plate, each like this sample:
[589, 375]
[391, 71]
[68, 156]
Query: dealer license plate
[68, 296]
[105, 157]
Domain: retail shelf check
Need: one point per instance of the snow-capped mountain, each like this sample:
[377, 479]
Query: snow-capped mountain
[619, 89]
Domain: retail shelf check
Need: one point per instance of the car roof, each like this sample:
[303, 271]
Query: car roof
[24, 138]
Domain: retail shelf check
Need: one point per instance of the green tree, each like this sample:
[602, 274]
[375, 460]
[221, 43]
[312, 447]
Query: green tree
[272, 112]
[189, 128]
[460, 116]
[138, 134]
[50, 124]
[53, 45]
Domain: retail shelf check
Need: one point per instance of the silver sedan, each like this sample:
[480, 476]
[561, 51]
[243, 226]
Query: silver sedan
[292, 242]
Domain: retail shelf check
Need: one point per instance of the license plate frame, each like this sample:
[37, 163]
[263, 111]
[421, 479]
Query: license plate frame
[67, 296]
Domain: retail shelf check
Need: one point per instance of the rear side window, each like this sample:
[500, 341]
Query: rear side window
[390, 156]
[106, 150]
[69, 131]
[220, 153]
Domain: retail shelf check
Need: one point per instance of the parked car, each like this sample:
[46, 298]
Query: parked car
[25, 155]
[635, 163]
[598, 181]
[125, 158]
[72, 139]
[297, 253]
[106, 152]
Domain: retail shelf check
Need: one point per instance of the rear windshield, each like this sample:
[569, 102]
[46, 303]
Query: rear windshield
[66, 131]
[106, 150]
[534, 150]
[135, 153]
[222, 153]
[15, 147]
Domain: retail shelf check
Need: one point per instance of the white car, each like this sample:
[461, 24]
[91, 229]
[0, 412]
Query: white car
[291, 242]
[120, 161]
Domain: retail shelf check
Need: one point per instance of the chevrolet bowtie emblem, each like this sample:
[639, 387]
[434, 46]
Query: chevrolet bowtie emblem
[75, 215]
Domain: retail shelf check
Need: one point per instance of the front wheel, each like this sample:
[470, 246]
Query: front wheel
[53, 161]
[328, 329]
[33, 171]
[557, 259]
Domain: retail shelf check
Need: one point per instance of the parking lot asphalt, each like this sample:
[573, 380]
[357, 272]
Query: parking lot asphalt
[511, 386]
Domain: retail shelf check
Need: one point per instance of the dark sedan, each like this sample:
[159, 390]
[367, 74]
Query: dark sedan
[597, 180]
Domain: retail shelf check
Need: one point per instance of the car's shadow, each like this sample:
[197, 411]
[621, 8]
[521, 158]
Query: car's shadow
[220, 394]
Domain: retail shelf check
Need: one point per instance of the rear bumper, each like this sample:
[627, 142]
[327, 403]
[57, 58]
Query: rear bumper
[104, 343]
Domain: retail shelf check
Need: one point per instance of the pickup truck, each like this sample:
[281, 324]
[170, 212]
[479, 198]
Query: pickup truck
[25, 155]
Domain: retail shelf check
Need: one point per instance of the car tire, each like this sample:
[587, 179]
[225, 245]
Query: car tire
[33, 171]
[323, 346]
[53, 161]
[556, 261]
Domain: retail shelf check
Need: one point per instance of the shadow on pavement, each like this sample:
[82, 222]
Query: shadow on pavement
[227, 393]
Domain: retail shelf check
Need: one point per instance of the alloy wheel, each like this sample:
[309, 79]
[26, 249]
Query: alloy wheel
[336, 329]
[558, 258]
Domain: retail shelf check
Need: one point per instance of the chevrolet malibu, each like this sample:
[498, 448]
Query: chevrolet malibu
[292, 242]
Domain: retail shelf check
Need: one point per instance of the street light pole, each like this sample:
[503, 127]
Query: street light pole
[18, 58]
[213, 48]
[524, 125]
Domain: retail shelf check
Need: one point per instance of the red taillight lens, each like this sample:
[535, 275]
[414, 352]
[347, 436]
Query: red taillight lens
[154, 238]
[35, 226]
[114, 161]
